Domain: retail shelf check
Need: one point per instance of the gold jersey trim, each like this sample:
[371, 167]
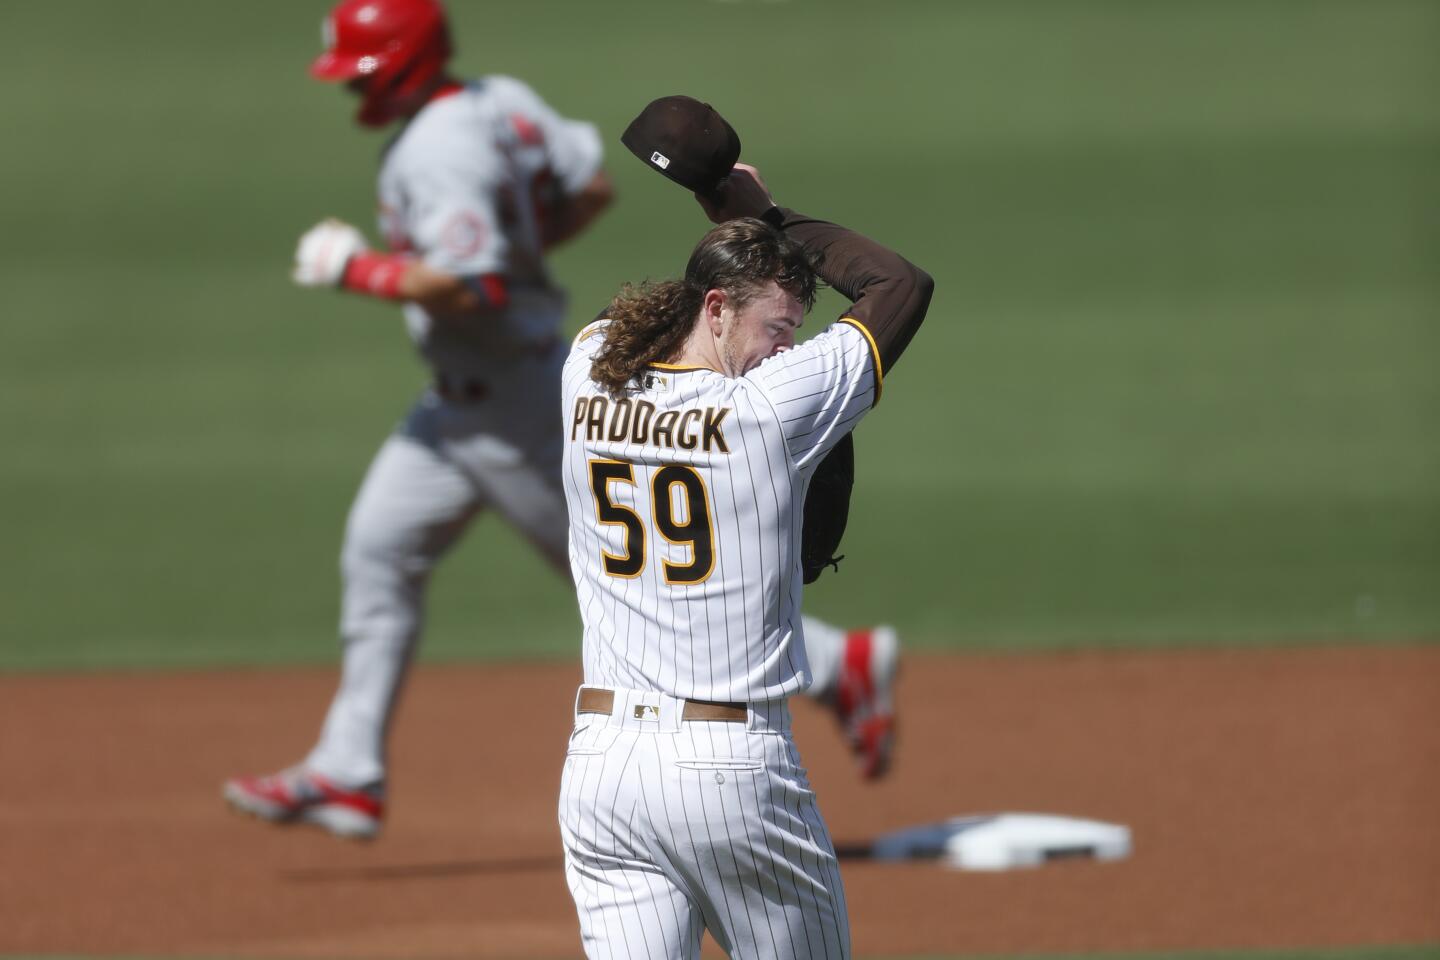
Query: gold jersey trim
[676, 367]
[590, 329]
[874, 353]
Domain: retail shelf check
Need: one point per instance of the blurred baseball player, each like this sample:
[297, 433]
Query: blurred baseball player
[483, 179]
[694, 424]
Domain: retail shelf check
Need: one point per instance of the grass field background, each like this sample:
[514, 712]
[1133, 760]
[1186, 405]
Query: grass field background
[1177, 385]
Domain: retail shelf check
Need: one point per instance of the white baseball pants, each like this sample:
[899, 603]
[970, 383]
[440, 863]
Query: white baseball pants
[444, 465]
[673, 828]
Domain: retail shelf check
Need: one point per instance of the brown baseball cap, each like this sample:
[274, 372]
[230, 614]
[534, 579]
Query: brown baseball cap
[686, 140]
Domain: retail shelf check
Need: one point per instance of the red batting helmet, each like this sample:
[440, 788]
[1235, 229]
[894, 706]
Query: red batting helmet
[398, 46]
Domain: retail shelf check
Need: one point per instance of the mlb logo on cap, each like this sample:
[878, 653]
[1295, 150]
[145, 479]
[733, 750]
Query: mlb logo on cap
[686, 140]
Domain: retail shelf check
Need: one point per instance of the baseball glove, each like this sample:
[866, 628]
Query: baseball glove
[827, 508]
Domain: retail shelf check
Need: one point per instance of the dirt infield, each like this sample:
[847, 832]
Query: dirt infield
[1278, 798]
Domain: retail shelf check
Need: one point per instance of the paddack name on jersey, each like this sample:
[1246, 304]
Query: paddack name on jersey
[622, 420]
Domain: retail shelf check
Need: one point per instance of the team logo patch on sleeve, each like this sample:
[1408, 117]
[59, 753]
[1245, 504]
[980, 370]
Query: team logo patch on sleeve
[464, 235]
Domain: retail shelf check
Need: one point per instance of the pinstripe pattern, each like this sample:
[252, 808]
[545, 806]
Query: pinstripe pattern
[734, 636]
[672, 829]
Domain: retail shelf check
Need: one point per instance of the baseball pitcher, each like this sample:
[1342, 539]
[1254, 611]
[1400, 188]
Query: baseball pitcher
[693, 424]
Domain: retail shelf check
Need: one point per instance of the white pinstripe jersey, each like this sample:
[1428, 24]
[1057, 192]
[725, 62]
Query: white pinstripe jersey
[686, 501]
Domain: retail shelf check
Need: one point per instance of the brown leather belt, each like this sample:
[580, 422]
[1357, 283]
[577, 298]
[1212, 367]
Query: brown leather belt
[596, 700]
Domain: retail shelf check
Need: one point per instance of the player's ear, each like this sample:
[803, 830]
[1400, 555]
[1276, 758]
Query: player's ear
[712, 309]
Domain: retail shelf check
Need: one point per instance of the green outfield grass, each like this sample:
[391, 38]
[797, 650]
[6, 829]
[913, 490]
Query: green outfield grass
[1177, 386]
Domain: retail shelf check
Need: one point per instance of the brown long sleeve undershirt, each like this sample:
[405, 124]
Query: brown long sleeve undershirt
[889, 294]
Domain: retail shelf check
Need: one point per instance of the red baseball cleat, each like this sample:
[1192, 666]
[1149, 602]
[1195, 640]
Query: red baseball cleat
[864, 697]
[298, 795]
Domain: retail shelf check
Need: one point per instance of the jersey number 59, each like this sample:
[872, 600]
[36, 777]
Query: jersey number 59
[692, 531]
